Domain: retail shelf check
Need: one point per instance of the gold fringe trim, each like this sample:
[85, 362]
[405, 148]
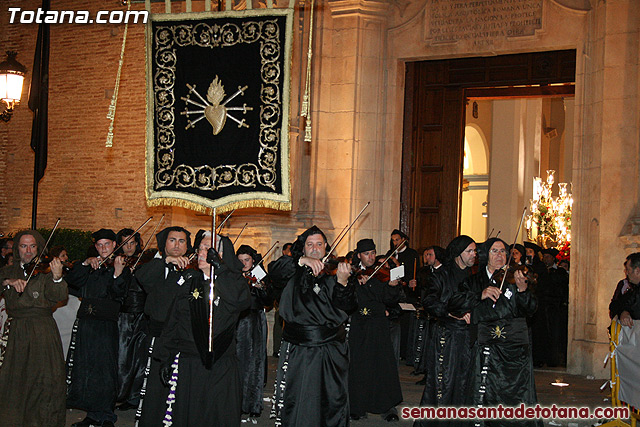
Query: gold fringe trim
[208, 210]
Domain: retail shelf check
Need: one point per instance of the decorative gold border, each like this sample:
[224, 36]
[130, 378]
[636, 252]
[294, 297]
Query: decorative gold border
[244, 200]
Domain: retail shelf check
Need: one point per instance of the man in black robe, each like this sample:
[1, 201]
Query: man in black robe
[501, 368]
[448, 351]
[92, 361]
[162, 279]
[401, 322]
[204, 387]
[374, 385]
[251, 336]
[311, 382]
[433, 258]
[280, 271]
[626, 299]
[133, 341]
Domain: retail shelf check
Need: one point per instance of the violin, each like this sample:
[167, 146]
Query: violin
[331, 266]
[44, 267]
[531, 278]
[379, 272]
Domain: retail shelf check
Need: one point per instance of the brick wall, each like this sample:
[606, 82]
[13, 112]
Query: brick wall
[87, 185]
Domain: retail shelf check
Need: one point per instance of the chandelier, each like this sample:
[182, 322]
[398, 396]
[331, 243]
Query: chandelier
[549, 224]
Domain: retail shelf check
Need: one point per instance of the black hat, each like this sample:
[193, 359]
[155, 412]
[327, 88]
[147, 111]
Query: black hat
[400, 233]
[104, 233]
[458, 245]
[161, 237]
[551, 251]
[365, 245]
[531, 245]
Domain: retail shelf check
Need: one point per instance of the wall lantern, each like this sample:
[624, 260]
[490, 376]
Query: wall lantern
[11, 79]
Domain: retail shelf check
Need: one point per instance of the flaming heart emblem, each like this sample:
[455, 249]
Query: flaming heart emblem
[214, 108]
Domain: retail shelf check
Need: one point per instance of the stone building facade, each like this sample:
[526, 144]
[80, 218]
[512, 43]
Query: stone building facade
[361, 48]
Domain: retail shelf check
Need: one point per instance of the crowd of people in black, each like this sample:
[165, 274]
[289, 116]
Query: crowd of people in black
[179, 334]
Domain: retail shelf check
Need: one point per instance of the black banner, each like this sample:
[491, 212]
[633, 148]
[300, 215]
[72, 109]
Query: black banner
[218, 109]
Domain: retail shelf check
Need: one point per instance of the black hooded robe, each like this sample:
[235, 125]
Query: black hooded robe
[311, 381]
[92, 361]
[501, 368]
[374, 384]
[208, 391]
[449, 349]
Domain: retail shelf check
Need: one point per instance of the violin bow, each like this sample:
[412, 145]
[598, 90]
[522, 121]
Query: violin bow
[515, 240]
[225, 220]
[42, 251]
[404, 242]
[341, 235]
[240, 233]
[153, 233]
[124, 242]
[267, 254]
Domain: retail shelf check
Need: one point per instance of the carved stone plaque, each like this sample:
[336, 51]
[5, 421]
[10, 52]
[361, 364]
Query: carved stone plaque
[481, 21]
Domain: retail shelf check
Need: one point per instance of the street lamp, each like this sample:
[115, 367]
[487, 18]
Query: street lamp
[11, 79]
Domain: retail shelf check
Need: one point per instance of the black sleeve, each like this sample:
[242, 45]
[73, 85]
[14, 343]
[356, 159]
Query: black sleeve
[151, 274]
[432, 300]
[344, 297]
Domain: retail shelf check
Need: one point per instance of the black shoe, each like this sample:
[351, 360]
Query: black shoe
[356, 417]
[87, 422]
[423, 381]
[126, 406]
[108, 424]
[391, 418]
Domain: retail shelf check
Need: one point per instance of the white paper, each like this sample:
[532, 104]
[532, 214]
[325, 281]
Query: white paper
[407, 307]
[258, 273]
[397, 273]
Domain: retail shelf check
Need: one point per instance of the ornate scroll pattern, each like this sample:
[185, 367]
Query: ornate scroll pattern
[248, 175]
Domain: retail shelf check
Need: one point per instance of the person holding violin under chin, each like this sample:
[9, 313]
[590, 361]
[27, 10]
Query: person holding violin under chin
[92, 361]
[311, 381]
[374, 385]
[32, 388]
[499, 301]
[251, 335]
[133, 340]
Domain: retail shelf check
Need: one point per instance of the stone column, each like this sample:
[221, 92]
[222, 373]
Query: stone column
[348, 129]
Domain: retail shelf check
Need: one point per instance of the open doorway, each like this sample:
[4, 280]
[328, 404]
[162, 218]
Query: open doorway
[508, 142]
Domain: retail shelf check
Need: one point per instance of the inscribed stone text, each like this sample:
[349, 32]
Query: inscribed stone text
[481, 21]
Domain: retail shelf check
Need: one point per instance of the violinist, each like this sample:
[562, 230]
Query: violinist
[32, 387]
[162, 279]
[402, 321]
[448, 352]
[133, 341]
[93, 355]
[374, 385]
[311, 381]
[251, 335]
[501, 370]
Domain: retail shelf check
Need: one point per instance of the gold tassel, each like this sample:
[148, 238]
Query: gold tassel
[306, 99]
[111, 115]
